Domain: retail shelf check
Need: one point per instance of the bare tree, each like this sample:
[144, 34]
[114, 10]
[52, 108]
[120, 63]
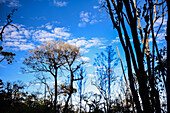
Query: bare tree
[105, 62]
[126, 16]
[48, 57]
[72, 58]
[9, 56]
[168, 60]
[81, 85]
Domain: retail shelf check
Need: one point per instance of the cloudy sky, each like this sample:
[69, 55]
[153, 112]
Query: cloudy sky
[79, 22]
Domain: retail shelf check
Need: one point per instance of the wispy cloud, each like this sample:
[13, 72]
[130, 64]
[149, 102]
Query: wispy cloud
[25, 38]
[82, 42]
[85, 58]
[86, 44]
[46, 35]
[159, 21]
[11, 3]
[87, 18]
[96, 7]
[17, 40]
[2, 66]
[60, 3]
[39, 18]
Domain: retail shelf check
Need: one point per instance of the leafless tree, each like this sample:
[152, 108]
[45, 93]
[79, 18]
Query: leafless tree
[134, 21]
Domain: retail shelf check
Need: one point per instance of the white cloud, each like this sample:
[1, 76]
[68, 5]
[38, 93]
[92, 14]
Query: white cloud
[57, 32]
[24, 38]
[81, 24]
[85, 58]
[49, 26]
[103, 47]
[17, 39]
[59, 3]
[95, 21]
[150, 39]
[115, 41]
[87, 17]
[14, 3]
[95, 7]
[39, 18]
[61, 32]
[159, 21]
[19, 45]
[79, 42]
[11, 3]
[117, 38]
[93, 42]
[41, 35]
[83, 50]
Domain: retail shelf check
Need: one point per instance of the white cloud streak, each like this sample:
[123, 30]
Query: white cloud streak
[11, 3]
[25, 38]
[87, 18]
[59, 3]
[81, 42]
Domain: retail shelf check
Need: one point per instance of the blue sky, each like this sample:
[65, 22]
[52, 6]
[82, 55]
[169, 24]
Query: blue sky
[79, 22]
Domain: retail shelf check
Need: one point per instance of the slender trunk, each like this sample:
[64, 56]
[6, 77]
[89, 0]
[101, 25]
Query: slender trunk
[168, 61]
[131, 81]
[55, 98]
[128, 52]
[141, 75]
[80, 94]
[45, 91]
[128, 89]
[70, 93]
[109, 80]
[154, 93]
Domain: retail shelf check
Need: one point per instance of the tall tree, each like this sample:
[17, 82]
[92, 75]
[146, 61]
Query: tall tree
[105, 63]
[71, 56]
[48, 57]
[126, 17]
[81, 85]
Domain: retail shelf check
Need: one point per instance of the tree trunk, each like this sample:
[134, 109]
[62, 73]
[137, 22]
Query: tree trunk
[80, 94]
[109, 80]
[70, 93]
[168, 61]
[55, 98]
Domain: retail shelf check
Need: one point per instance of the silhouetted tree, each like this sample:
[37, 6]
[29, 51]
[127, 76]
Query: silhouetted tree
[128, 18]
[52, 56]
[48, 57]
[168, 60]
[71, 56]
[9, 56]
